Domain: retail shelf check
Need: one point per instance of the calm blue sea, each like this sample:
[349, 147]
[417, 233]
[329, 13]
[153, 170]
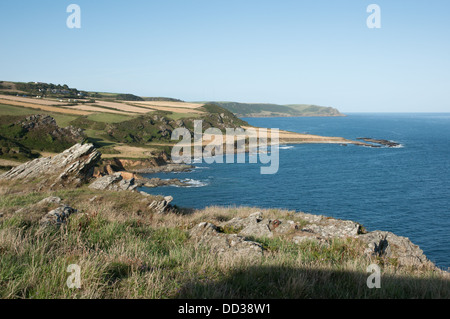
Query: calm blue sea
[404, 190]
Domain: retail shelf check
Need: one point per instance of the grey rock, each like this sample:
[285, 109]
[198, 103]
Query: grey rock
[50, 200]
[256, 226]
[161, 206]
[73, 166]
[207, 234]
[157, 182]
[335, 228]
[387, 244]
[57, 216]
[113, 182]
[322, 230]
[168, 168]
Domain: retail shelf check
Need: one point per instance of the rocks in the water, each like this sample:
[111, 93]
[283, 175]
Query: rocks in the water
[161, 206]
[57, 216]
[73, 167]
[379, 142]
[167, 168]
[157, 182]
[113, 182]
[209, 235]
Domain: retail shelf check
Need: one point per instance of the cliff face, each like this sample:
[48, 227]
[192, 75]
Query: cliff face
[276, 110]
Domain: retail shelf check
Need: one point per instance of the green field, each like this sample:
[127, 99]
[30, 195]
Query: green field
[109, 117]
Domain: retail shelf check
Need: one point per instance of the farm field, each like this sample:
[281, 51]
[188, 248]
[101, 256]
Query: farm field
[184, 105]
[42, 107]
[48, 102]
[91, 108]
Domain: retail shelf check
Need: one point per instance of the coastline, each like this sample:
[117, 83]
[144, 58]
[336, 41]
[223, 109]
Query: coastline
[164, 248]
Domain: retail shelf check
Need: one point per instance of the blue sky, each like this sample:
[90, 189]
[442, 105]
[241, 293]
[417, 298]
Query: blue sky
[319, 52]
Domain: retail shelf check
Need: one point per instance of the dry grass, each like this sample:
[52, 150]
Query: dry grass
[90, 108]
[44, 107]
[46, 102]
[178, 105]
[122, 107]
[127, 251]
[130, 152]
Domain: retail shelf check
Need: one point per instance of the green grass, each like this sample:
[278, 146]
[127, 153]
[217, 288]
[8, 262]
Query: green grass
[177, 116]
[109, 117]
[62, 120]
[16, 110]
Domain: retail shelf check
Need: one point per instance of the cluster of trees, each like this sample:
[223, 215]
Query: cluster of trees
[48, 89]
[165, 99]
[128, 97]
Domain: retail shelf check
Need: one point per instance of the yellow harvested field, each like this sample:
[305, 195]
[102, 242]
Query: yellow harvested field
[90, 108]
[157, 104]
[44, 107]
[176, 110]
[130, 152]
[31, 100]
[122, 107]
[102, 106]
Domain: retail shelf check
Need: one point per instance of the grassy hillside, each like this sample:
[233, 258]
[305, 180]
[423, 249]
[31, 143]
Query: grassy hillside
[127, 251]
[148, 131]
[274, 110]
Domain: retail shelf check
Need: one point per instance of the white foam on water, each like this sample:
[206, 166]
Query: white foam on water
[286, 147]
[193, 183]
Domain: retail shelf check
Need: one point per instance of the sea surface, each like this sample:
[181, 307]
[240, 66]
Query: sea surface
[405, 190]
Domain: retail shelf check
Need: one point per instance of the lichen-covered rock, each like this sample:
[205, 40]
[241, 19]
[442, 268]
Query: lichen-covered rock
[207, 234]
[113, 182]
[335, 228]
[322, 230]
[257, 226]
[386, 244]
[73, 167]
[57, 216]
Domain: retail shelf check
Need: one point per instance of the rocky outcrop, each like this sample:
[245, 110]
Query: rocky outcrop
[73, 167]
[319, 227]
[389, 245]
[315, 228]
[48, 123]
[379, 142]
[167, 168]
[232, 245]
[162, 205]
[157, 182]
[114, 182]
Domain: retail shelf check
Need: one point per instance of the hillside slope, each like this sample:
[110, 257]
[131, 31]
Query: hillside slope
[275, 110]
